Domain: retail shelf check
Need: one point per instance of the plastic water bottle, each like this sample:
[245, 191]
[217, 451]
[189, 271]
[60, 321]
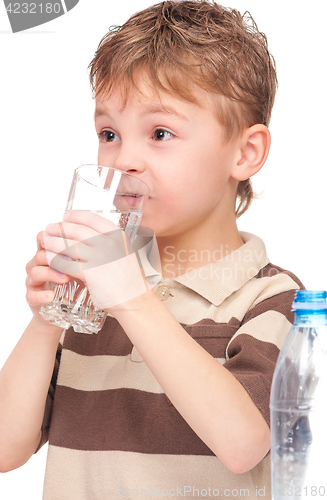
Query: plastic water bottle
[298, 404]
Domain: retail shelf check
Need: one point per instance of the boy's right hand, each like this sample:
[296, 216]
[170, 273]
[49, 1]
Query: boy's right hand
[38, 273]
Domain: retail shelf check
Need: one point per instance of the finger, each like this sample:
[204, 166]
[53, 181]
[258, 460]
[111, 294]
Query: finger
[39, 259]
[70, 231]
[103, 249]
[63, 265]
[30, 265]
[91, 220]
[39, 240]
[96, 251]
[38, 298]
[41, 274]
[68, 247]
[77, 253]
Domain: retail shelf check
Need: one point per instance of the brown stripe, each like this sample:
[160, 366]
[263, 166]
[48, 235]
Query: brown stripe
[113, 341]
[271, 270]
[122, 419]
[212, 336]
[252, 362]
[281, 303]
[49, 401]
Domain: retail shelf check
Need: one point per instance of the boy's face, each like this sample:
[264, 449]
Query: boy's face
[178, 152]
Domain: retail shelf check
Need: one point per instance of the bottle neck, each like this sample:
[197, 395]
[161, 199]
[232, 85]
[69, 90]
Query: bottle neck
[307, 317]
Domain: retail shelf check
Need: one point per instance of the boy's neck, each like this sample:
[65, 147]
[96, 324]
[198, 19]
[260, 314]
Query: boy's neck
[184, 253]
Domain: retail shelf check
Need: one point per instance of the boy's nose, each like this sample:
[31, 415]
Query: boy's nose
[129, 159]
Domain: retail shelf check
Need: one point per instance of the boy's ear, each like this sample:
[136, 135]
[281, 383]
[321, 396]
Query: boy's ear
[253, 152]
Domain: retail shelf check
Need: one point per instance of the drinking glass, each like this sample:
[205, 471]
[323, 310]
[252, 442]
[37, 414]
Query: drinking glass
[114, 195]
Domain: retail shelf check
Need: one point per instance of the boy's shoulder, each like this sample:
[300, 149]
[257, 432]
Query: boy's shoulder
[272, 288]
[245, 275]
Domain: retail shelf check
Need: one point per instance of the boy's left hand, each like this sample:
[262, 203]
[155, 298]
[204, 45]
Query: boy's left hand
[95, 251]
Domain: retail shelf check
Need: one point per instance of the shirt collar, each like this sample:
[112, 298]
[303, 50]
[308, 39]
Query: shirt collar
[218, 280]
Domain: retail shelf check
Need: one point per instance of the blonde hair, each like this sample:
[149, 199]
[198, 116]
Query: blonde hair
[194, 43]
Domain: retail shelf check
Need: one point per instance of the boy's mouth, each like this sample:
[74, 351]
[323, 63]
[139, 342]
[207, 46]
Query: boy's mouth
[132, 200]
[130, 195]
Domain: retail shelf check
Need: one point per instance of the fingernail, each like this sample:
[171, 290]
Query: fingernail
[66, 216]
[49, 226]
[49, 296]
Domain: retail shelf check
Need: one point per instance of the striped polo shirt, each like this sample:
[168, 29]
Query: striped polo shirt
[112, 431]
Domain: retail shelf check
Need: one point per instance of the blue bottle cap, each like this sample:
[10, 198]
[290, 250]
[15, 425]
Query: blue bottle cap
[310, 300]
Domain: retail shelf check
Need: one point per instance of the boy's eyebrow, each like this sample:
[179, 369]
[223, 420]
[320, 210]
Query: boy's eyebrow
[100, 112]
[147, 110]
[152, 109]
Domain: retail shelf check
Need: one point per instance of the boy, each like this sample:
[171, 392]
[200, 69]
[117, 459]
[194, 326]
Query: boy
[171, 398]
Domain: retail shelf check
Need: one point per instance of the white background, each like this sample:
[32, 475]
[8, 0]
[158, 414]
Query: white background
[46, 130]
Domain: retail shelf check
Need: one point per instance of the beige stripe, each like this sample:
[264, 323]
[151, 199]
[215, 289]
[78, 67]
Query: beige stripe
[274, 286]
[62, 338]
[85, 475]
[237, 304]
[99, 373]
[270, 326]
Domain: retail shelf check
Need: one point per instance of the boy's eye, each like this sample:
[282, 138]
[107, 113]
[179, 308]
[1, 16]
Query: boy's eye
[108, 136]
[161, 134]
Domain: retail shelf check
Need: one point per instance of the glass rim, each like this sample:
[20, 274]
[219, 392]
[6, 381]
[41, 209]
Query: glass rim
[77, 171]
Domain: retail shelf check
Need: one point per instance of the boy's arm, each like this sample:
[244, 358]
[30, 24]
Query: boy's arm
[206, 394]
[26, 375]
[24, 384]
